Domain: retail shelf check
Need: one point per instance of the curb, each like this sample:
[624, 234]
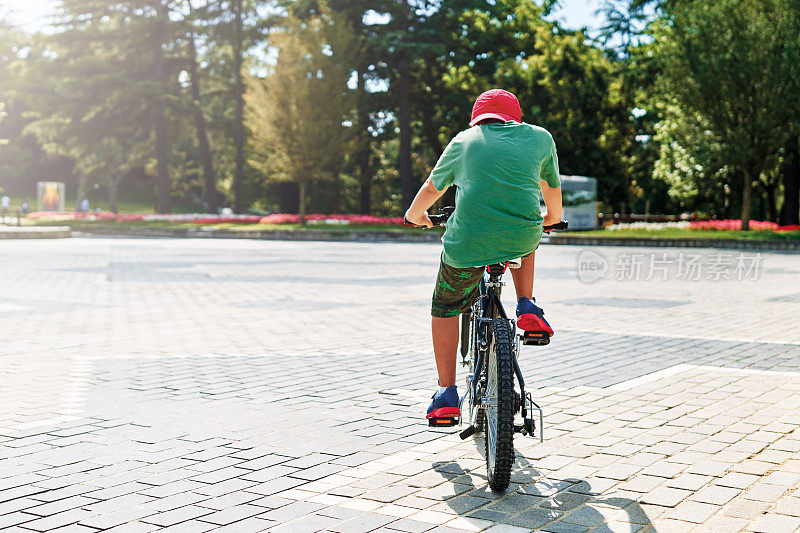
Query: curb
[35, 232]
[728, 244]
[269, 235]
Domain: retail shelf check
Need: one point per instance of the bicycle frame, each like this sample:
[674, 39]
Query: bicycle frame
[490, 307]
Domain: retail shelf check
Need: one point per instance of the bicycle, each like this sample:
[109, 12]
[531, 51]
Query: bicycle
[489, 349]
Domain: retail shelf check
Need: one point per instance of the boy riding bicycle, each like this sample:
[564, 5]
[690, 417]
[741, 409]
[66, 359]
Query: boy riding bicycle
[500, 166]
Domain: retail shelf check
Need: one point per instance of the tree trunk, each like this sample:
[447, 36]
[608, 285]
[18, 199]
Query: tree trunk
[159, 125]
[210, 195]
[112, 185]
[239, 104]
[362, 154]
[302, 202]
[747, 189]
[404, 118]
[336, 191]
[772, 204]
[791, 186]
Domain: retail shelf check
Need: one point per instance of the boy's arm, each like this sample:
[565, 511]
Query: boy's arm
[426, 196]
[552, 199]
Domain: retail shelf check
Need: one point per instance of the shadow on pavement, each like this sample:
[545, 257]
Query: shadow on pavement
[537, 502]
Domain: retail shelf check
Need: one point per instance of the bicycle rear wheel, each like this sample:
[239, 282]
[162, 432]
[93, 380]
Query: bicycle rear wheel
[499, 406]
[469, 349]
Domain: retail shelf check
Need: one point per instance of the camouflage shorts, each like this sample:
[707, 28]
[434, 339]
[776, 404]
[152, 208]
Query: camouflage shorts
[456, 289]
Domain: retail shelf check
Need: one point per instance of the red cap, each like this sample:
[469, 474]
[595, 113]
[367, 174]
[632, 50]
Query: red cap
[496, 103]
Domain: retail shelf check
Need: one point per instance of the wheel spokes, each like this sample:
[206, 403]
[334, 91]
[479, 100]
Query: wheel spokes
[491, 407]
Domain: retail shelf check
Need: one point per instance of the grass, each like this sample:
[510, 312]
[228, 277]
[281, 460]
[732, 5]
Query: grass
[336, 228]
[676, 233]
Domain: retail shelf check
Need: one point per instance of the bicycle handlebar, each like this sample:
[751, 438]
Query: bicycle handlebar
[445, 212]
[438, 220]
[558, 226]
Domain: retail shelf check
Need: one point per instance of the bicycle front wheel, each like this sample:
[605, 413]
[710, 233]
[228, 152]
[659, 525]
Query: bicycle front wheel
[499, 406]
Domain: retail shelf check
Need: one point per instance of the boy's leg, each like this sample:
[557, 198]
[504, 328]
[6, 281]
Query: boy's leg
[445, 348]
[455, 291]
[530, 317]
[523, 277]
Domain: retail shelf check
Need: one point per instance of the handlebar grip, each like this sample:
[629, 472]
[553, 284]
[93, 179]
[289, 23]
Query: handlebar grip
[557, 226]
[438, 220]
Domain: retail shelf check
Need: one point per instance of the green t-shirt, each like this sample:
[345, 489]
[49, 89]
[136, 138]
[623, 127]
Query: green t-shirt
[496, 168]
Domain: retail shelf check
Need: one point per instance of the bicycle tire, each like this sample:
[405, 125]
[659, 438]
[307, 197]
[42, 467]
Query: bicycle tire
[469, 347]
[500, 383]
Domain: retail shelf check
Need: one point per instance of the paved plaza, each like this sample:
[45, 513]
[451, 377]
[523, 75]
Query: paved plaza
[235, 385]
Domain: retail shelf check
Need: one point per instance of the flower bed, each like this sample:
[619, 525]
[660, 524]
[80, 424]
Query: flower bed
[284, 218]
[731, 225]
[107, 216]
[206, 218]
[649, 226]
[713, 225]
[58, 216]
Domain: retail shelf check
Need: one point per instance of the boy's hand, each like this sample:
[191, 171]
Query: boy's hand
[549, 220]
[419, 220]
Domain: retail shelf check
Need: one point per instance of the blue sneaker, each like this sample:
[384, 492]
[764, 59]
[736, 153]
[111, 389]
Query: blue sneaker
[530, 317]
[445, 405]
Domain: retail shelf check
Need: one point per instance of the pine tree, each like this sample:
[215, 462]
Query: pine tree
[296, 113]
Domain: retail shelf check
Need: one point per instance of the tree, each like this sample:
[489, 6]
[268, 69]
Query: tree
[195, 18]
[563, 83]
[790, 174]
[296, 113]
[732, 68]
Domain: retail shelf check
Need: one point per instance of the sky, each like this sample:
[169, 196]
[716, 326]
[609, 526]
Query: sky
[32, 14]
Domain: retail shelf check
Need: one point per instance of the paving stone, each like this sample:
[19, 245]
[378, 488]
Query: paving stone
[362, 524]
[736, 480]
[291, 511]
[586, 515]
[709, 468]
[715, 495]
[409, 526]
[665, 496]
[564, 501]
[390, 493]
[692, 511]
[772, 523]
[175, 516]
[191, 526]
[641, 483]
[564, 527]
[786, 479]
[788, 506]
[765, 492]
[747, 509]
[689, 481]
[54, 521]
[132, 412]
[664, 469]
[534, 518]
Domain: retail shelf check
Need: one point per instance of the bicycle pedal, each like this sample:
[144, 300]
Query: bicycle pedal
[467, 433]
[442, 422]
[535, 338]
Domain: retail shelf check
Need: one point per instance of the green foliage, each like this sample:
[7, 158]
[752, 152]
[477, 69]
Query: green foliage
[148, 88]
[292, 136]
[730, 89]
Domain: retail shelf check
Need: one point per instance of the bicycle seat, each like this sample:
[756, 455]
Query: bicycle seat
[497, 268]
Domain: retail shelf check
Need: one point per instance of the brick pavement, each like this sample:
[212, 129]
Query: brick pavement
[193, 385]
